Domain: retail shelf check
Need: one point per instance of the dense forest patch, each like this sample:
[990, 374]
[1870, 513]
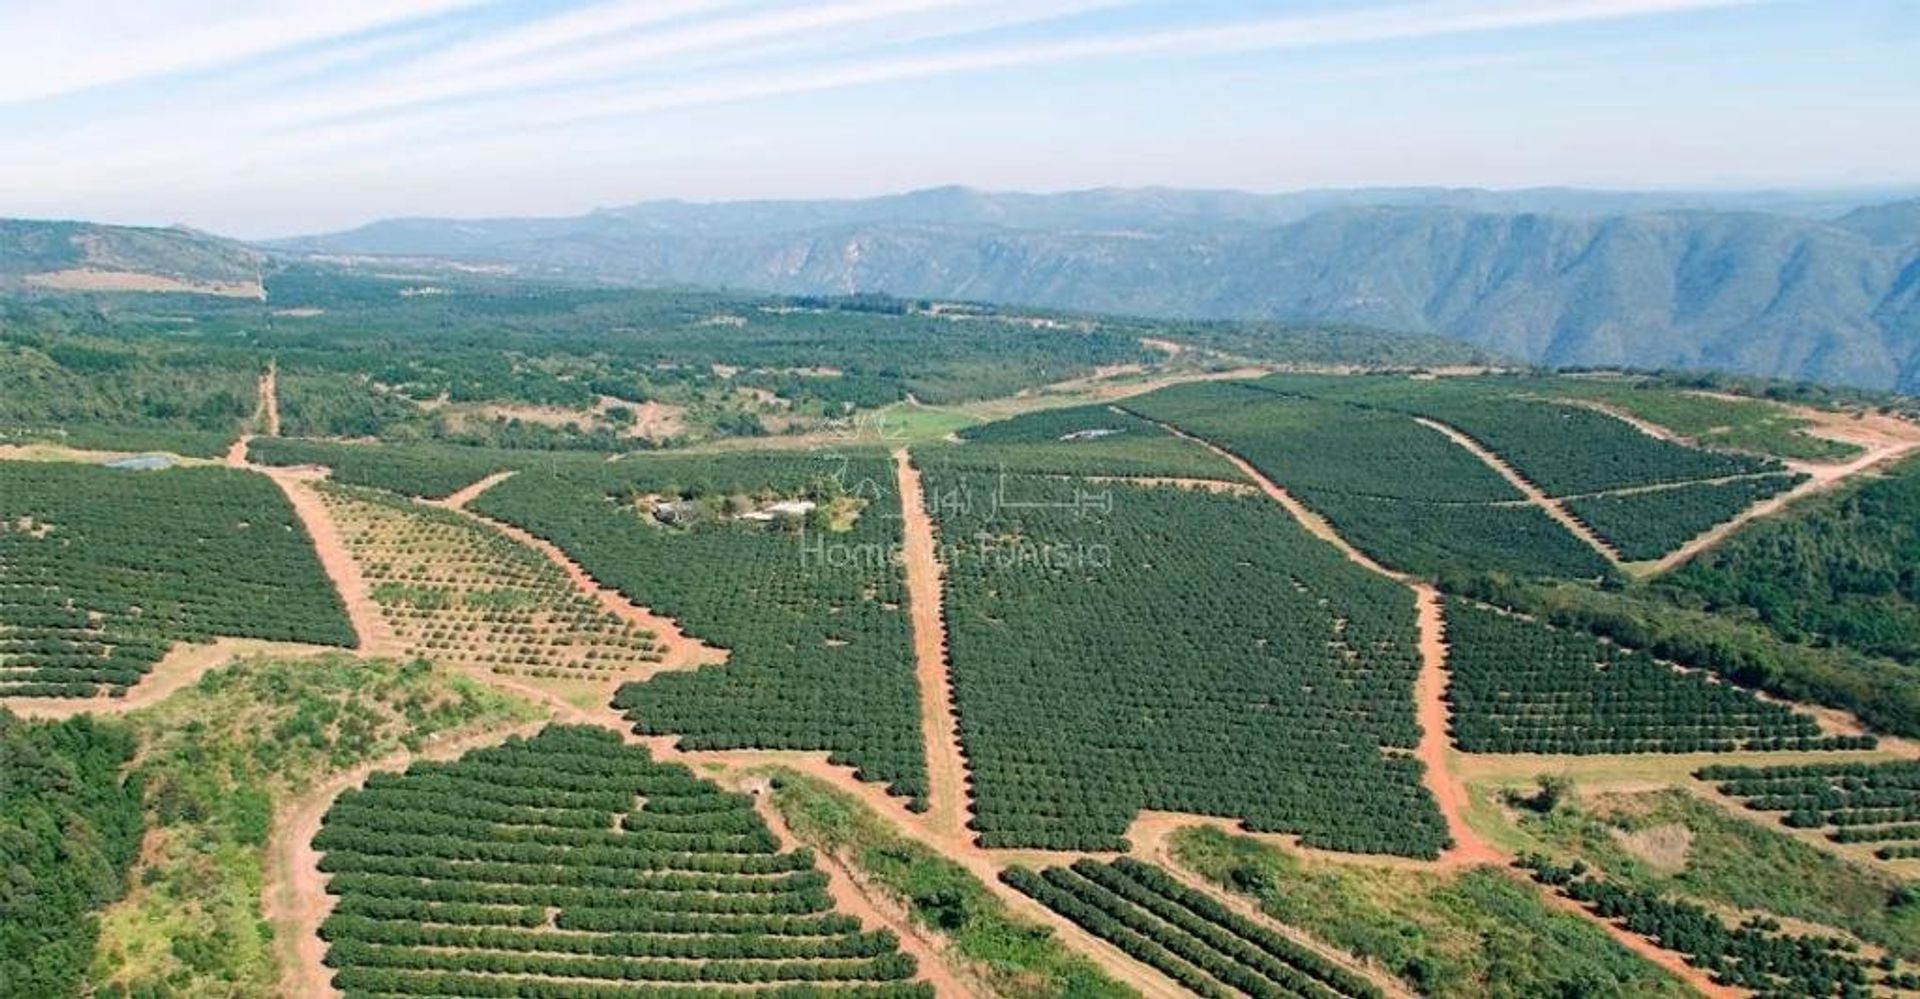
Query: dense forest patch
[1843, 570]
[70, 825]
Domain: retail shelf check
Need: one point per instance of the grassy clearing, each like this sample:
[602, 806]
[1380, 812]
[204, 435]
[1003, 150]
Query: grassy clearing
[1671, 841]
[214, 761]
[1475, 933]
[1016, 958]
[1744, 425]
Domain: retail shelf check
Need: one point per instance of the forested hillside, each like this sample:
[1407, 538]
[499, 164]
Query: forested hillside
[1846, 572]
[69, 827]
[1577, 278]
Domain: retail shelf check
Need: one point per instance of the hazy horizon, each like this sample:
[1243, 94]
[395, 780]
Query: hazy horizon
[259, 120]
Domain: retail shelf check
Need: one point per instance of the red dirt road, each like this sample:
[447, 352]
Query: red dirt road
[294, 897]
[947, 807]
[1434, 715]
[1430, 687]
[1534, 494]
[373, 636]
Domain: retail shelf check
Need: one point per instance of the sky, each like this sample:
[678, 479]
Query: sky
[259, 119]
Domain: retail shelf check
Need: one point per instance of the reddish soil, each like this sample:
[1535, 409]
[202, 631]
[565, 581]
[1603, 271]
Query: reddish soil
[270, 399]
[946, 763]
[182, 667]
[677, 647]
[459, 498]
[370, 630]
[1430, 694]
[850, 899]
[1534, 494]
[237, 451]
[1667, 960]
[294, 897]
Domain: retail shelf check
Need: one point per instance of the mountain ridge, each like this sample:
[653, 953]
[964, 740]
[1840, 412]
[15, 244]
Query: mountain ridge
[1831, 294]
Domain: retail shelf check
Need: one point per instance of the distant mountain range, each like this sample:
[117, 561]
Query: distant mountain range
[1816, 286]
[1823, 287]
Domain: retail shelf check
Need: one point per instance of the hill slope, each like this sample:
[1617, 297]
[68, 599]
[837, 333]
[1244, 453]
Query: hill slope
[82, 256]
[1807, 290]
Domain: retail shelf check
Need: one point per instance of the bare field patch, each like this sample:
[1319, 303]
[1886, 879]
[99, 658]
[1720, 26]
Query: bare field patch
[96, 279]
[1663, 847]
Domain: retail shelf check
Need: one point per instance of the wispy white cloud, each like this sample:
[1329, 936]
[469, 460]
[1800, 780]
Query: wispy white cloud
[593, 99]
[194, 94]
[56, 47]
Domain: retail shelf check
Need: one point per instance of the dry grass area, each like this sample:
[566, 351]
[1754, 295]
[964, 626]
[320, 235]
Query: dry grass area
[96, 279]
[1663, 847]
[452, 591]
[655, 421]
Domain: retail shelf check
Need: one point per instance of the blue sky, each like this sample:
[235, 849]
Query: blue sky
[260, 119]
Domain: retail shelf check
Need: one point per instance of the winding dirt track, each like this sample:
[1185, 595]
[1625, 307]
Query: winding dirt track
[677, 648]
[1449, 792]
[1886, 444]
[947, 799]
[459, 498]
[294, 896]
[1534, 494]
[848, 898]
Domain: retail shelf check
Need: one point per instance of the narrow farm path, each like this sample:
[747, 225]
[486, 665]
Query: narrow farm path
[266, 418]
[1534, 494]
[677, 648]
[1315, 524]
[294, 895]
[181, 667]
[459, 498]
[1431, 708]
[236, 456]
[373, 637]
[1880, 451]
[947, 809]
[849, 898]
[1435, 749]
[270, 399]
